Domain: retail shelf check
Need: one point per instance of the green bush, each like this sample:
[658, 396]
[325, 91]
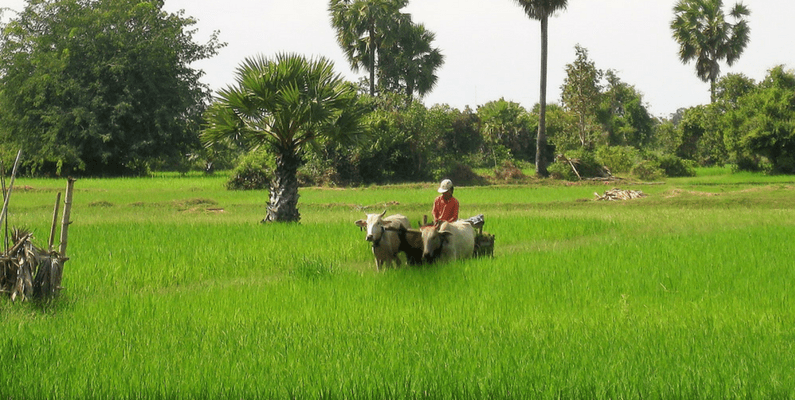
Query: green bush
[674, 166]
[509, 171]
[585, 161]
[459, 173]
[253, 172]
[647, 170]
[618, 158]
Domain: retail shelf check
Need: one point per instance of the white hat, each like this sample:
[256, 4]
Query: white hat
[445, 186]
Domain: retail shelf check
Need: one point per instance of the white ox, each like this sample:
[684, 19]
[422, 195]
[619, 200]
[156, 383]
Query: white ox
[386, 242]
[448, 241]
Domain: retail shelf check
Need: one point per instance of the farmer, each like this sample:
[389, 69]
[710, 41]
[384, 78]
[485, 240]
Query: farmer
[445, 207]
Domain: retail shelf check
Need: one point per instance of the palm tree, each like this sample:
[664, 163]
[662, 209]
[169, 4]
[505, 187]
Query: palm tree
[412, 62]
[363, 28]
[541, 10]
[704, 35]
[285, 104]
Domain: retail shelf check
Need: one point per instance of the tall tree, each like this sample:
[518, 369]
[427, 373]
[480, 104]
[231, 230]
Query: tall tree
[100, 86]
[541, 10]
[768, 115]
[704, 35]
[623, 114]
[505, 125]
[363, 29]
[286, 104]
[410, 64]
[581, 93]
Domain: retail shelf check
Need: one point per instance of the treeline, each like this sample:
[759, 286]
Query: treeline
[105, 88]
[749, 126]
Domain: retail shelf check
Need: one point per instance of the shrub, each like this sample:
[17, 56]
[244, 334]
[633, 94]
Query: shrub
[253, 172]
[647, 170]
[618, 158]
[674, 166]
[459, 173]
[509, 171]
[585, 162]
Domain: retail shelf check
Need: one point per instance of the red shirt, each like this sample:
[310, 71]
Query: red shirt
[445, 210]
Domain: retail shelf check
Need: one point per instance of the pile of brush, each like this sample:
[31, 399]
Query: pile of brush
[618, 194]
[26, 270]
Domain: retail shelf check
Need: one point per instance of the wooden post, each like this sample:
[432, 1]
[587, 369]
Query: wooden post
[54, 220]
[67, 211]
[3, 181]
[10, 186]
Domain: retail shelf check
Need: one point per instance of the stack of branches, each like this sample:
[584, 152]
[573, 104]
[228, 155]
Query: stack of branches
[26, 270]
[618, 194]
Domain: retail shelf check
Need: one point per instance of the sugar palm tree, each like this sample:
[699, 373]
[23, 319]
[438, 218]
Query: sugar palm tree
[285, 103]
[411, 63]
[541, 10]
[363, 28]
[704, 35]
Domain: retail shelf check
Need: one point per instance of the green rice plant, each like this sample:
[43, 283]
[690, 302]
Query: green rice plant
[683, 294]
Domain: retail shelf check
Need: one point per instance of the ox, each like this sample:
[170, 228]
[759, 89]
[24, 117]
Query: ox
[411, 245]
[448, 241]
[383, 233]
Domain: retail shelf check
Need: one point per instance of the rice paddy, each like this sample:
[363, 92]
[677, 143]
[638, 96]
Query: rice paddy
[174, 290]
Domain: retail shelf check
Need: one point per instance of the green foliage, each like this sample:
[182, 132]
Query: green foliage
[465, 137]
[581, 94]
[617, 158]
[409, 65]
[770, 124]
[674, 166]
[647, 170]
[406, 142]
[509, 172]
[667, 138]
[671, 165]
[703, 33]
[506, 124]
[289, 104]
[623, 115]
[100, 87]
[585, 162]
[749, 124]
[379, 37]
[702, 131]
[254, 171]
[560, 125]
[611, 114]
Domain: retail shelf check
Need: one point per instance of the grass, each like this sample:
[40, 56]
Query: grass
[683, 294]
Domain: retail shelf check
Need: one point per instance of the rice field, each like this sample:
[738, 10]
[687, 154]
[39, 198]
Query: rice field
[174, 290]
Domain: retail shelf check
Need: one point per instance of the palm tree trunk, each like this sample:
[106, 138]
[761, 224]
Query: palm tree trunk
[372, 61]
[283, 204]
[541, 140]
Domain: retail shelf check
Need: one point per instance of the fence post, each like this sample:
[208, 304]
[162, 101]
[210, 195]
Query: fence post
[67, 211]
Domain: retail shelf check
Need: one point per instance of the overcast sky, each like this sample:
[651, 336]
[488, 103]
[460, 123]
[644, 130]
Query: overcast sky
[492, 49]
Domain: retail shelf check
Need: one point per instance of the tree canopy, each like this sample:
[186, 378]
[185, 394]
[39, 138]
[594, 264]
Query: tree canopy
[377, 36]
[287, 103]
[100, 87]
[704, 35]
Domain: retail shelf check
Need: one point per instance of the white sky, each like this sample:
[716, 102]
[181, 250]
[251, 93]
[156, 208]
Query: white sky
[492, 49]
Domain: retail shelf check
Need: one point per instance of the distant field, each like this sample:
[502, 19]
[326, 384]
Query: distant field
[174, 290]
